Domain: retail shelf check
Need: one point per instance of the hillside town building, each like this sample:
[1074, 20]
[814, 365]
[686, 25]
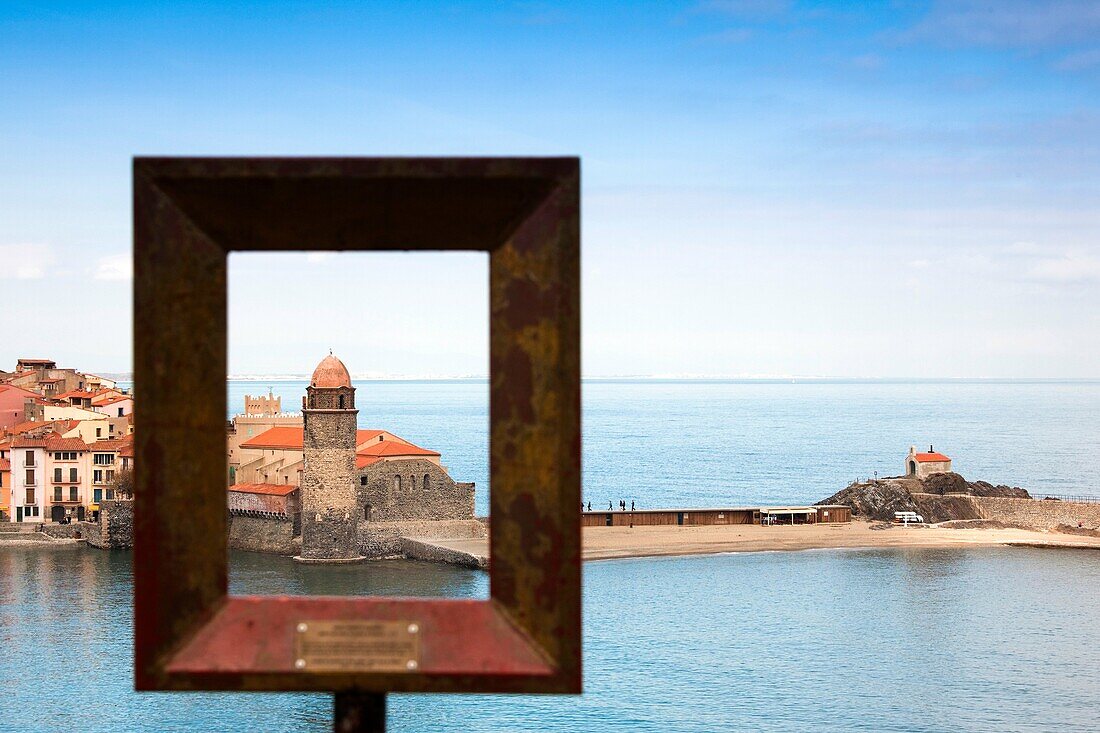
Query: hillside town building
[61, 451]
[923, 465]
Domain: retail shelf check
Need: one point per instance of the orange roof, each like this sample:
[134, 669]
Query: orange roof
[29, 426]
[362, 461]
[5, 465]
[277, 438]
[112, 400]
[291, 438]
[57, 443]
[387, 448]
[23, 442]
[931, 457]
[111, 445]
[269, 489]
[75, 393]
[26, 392]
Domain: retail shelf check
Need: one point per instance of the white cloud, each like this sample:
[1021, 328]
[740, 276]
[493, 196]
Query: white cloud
[1066, 269]
[1008, 23]
[114, 267]
[25, 261]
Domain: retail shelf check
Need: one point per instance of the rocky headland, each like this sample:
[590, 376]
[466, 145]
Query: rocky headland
[940, 497]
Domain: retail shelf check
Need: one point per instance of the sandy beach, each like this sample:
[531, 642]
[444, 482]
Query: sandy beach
[605, 543]
[610, 543]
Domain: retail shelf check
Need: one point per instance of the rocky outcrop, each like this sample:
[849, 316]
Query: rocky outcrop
[953, 483]
[877, 499]
[940, 497]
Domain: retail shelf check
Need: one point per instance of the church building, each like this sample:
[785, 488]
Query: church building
[923, 465]
[348, 492]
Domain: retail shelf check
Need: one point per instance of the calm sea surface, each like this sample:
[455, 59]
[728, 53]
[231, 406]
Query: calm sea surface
[697, 444]
[859, 640]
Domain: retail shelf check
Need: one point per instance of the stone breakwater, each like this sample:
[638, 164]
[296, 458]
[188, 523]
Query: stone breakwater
[948, 497]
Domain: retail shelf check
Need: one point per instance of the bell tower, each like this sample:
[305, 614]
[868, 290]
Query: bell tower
[330, 514]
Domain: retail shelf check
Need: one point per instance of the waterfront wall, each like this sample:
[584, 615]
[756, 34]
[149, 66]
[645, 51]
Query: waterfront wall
[417, 550]
[262, 534]
[116, 525]
[74, 531]
[1039, 513]
[383, 539]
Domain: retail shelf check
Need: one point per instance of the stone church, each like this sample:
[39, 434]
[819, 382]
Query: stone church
[350, 493]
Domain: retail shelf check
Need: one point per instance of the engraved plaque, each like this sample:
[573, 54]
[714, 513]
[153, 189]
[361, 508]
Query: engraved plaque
[357, 646]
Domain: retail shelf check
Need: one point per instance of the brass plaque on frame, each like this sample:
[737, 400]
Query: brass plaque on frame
[357, 646]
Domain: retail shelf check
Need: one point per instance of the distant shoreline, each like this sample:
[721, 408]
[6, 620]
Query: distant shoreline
[278, 378]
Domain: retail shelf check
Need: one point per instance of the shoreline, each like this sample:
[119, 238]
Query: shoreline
[624, 543]
[649, 541]
[614, 543]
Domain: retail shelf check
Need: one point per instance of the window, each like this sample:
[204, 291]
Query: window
[72, 475]
[30, 477]
[30, 497]
[427, 482]
[97, 476]
[57, 475]
[366, 512]
[103, 459]
[110, 494]
[73, 494]
[98, 494]
[119, 414]
[99, 432]
[110, 476]
[341, 402]
[30, 458]
[362, 480]
[57, 493]
[397, 483]
[57, 456]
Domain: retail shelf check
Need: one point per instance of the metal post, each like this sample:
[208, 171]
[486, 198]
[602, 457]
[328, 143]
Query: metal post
[359, 712]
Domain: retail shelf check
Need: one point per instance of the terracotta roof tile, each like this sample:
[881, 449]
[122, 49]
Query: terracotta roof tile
[364, 461]
[111, 445]
[57, 443]
[75, 393]
[291, 438]
[931, 457]
[269, 489]
[388, 448]
[27, 427]
[5, 465]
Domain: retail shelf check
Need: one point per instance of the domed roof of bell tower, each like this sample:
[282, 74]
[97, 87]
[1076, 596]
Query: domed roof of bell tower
[330, 373]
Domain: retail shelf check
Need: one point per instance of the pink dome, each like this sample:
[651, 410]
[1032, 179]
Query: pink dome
[330, 373]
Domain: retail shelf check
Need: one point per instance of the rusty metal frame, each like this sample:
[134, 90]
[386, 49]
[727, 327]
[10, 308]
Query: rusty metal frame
[189, 213]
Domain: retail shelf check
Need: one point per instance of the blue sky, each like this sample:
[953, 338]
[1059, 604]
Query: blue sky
[770, 187]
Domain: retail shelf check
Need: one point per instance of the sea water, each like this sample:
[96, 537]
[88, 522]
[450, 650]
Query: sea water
[982, 639]
[721, 443]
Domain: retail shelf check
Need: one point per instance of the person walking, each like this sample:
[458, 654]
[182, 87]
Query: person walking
[631, 505]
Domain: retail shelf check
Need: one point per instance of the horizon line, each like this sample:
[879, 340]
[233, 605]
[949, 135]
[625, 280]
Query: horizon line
[375, 377]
